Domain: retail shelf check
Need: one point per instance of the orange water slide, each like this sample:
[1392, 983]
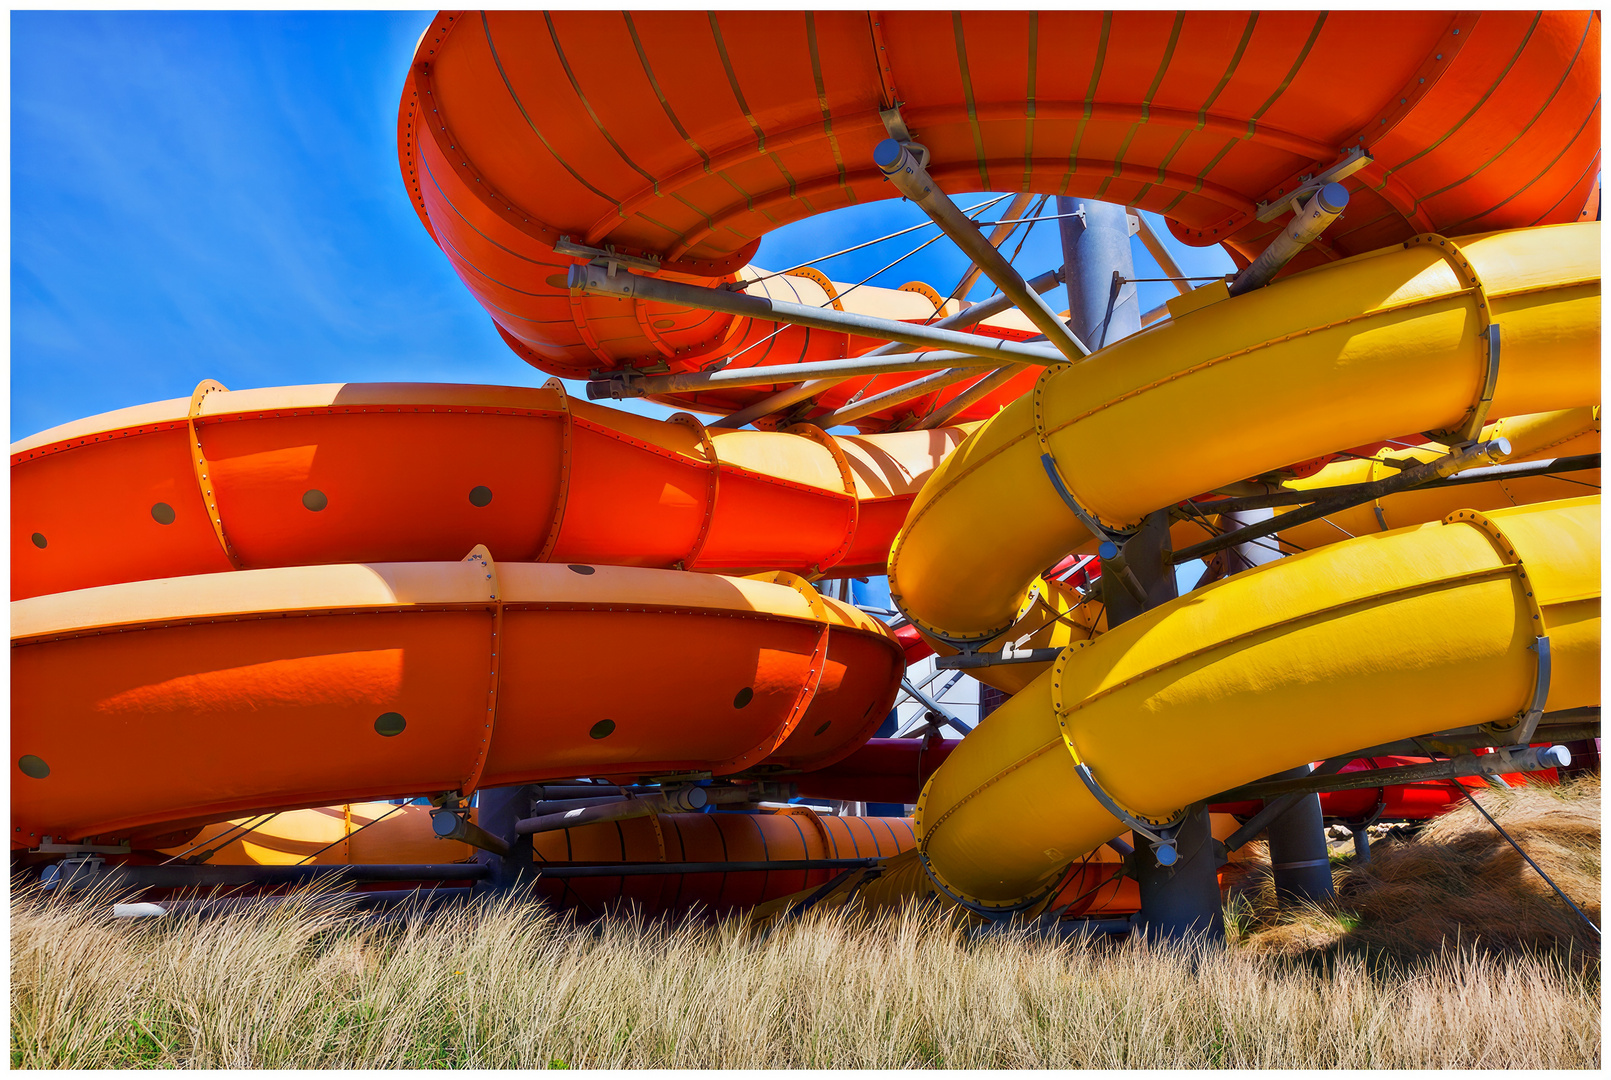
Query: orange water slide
[379, 832]
[142, 708]
[386, 472]
[685, 136]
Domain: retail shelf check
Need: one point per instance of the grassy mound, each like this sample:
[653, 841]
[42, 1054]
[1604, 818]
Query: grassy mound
[1455, 883]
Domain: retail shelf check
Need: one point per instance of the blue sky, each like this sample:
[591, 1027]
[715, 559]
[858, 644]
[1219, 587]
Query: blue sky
[216, 195]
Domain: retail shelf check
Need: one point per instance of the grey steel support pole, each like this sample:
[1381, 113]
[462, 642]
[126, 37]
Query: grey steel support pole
[1298, 853]
[1096, 247]
[497, 810]
[1180, 900]
[1183, 900]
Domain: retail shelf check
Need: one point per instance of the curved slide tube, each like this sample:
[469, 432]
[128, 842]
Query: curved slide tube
[685, 136]
[1355, 353]
[381, 472]
[379, 832]
[1057, 617]
[150, 706]
[1354, 644]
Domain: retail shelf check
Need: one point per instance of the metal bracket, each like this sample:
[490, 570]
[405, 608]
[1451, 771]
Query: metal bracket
[1521, 733]
[1358, 158]
[1471, 427]
[607, 257]
[895, 124]
[1162, 837]
[1008, 655]
[1097, 528]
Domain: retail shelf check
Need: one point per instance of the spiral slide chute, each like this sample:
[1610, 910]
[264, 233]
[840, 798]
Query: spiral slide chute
[1356, 644]
[1381, 344]
[679, 138]
[379, 472]
[159, 704]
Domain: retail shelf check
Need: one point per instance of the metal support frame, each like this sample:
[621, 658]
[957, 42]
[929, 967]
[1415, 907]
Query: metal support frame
[1137, 575]
[1512, 759]
[598, 281]
[1299, 857]
[1096, 251]
[1182, 900]
[626, 385]
[679, 800]
[911, 179]
[998, 236]
[989, 384]
[934, 706]
[1516, 471]
[1467, 457]
[1306, 225]
[497, 810]
[455, 824]
[968, 316]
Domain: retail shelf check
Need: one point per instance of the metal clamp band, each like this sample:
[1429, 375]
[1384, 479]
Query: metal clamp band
[1487, 330]
[1161, 834]
[203, 470]
[562, 496]
[1162, 837]
[1521, 726]
[713, 482]
[1048, 462]
[1300, 865]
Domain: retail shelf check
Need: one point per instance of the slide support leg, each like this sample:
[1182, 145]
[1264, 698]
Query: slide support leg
[1183, 900]
[497, 811]
[1297, 838]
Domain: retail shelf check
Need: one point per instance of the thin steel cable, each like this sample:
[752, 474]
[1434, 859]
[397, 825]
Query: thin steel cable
[226, 843]
[1201, 518]
[934, 400]
[350, 835]
[1472, 799]
[980, 207]
[830, 300]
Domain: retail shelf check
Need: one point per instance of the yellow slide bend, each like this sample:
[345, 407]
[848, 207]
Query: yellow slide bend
[1360, 642]
[1369, 348]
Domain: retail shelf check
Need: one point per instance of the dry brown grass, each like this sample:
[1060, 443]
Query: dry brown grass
[1455, 883]
[509, 983]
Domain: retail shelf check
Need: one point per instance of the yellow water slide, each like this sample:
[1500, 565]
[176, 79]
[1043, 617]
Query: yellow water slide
[1362, 641]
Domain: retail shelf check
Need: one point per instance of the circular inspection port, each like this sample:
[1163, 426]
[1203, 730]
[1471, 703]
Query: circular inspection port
[576, 568]
[390, 724]
[33, 766]
[314, 500]
[39, 540]
[826, 724]
[743, 697]
[162, 513]
[602, 729]
[480, 496]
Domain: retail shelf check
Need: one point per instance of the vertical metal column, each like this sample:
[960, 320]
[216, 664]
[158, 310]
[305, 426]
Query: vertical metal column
[1096, 253]
[1298, 852]
[497, 810]
[1183, 899]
